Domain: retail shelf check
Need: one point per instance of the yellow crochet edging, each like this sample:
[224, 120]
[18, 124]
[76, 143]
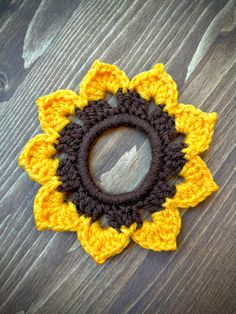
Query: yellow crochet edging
[160, 234]
[55, 108]
[103, 243]
[156, 84]
[52, 212]
[37, 158]
[102, 78]
[198, 127]
[50, 209]
[198, 184]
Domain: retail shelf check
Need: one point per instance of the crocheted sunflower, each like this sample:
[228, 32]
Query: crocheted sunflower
[70, 200]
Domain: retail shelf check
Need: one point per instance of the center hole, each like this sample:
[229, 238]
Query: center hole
[119, 160]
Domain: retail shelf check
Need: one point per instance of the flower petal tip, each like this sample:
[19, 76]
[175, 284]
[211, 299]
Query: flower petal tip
[214, 117]
[101, 243]
[96, 63]
[161, 233]
[198, 184]
[21, 160]
[39, 101]
[215, 186]
[159, 67]
[52, 212]
[102, 78]
[37, 158]
[156, 84]
[196, 125]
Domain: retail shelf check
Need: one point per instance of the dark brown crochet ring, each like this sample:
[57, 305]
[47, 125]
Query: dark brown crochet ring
[89, 139]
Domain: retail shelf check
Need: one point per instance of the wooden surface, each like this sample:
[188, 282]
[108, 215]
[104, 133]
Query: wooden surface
[50, 45]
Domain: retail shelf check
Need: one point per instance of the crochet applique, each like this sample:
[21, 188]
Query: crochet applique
[70, 200]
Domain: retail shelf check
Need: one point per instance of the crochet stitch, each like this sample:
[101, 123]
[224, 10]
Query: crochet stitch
[69, 199]
[75, 142]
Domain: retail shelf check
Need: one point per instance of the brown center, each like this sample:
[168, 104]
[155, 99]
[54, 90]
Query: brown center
[88, 179]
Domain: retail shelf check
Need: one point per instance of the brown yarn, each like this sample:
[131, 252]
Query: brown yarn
[98, 129]
[75, 142]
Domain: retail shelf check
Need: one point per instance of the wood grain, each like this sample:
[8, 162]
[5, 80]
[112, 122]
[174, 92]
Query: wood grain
[50, 45]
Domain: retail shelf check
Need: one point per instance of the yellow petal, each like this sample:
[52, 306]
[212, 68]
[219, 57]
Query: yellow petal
[50, 210]
[37, 158]
[103, 243]
[159, 234]
[198, 127]
[102, 78]
[198, 184]
[55, 108]
[156, 84]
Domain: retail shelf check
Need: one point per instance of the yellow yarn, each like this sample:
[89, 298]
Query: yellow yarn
[156, 84]
[198, 127]
[160, 234]
[37, 158]
[198, 184]
[103, 243]
[50, 209]
[101, 79]
[55, 108]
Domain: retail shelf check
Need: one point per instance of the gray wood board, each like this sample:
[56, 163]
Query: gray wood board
[50, 45]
